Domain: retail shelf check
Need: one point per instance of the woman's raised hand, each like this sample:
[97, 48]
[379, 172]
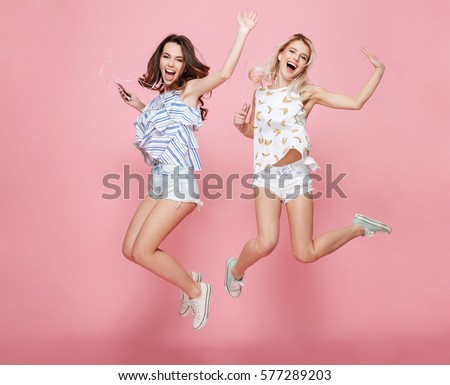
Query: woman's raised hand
[247, 20]
[376, 61]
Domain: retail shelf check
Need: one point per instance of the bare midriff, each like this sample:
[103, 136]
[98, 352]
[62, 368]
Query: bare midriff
[291, 157]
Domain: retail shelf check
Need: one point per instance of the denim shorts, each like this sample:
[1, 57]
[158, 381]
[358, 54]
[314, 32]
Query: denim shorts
[174, 183]
[285, 182]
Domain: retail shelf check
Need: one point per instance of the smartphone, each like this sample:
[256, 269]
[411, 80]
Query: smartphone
[121, 89]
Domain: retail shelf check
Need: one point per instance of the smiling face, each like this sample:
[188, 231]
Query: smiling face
[171, 63]
[293, 60]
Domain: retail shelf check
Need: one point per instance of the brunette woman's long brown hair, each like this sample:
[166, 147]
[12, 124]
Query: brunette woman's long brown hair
[193, 68]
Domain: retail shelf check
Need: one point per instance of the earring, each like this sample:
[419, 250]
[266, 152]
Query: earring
[279, 57]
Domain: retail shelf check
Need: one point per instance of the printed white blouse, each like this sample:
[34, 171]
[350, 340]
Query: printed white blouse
[279, 125]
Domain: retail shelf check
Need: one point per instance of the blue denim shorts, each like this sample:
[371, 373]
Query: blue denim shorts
[285, 182]
[174, 183]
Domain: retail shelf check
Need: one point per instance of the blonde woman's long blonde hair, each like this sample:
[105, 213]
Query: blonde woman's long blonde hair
[268, 73]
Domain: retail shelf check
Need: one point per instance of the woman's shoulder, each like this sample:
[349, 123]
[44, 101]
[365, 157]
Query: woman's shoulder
[310, 92]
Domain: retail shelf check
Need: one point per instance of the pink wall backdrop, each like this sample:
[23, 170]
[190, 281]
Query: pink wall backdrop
[68, 296]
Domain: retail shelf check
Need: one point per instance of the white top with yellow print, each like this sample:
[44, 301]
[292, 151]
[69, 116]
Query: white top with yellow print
[280, 125]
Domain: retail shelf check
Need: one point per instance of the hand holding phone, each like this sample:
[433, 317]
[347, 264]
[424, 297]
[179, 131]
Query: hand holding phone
[122, 91]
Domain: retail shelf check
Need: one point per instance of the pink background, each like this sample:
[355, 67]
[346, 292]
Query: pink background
[69, 297]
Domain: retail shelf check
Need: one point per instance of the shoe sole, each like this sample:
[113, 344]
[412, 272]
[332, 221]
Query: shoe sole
[227, 273]
[198, 279]
[206, 315]
[373, 222]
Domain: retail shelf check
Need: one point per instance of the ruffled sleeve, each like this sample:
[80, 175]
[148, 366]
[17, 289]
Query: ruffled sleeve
[183, 114]
[165, 129]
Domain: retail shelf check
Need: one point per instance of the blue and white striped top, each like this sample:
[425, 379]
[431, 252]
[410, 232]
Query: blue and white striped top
[165, 131]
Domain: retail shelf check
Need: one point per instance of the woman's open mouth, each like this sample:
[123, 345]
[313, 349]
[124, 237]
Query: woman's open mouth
[169, 75]
[292, 66]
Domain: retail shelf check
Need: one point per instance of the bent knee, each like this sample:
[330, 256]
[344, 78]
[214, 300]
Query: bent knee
[138, 255]
[132, 253]
[128, 253]
[143, 254]
[266, 245]
[304, 255]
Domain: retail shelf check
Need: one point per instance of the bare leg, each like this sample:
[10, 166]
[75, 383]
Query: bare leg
[305, 249]
[151, 224]
[268, 210]
[135, 226]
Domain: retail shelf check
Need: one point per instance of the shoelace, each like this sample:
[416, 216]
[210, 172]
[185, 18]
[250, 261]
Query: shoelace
[368, 233]
[371, 233]
[185, 300]
[235, 283]
[195, 306]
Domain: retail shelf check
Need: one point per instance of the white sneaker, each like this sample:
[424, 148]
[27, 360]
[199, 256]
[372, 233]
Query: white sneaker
[371, 226]
[232, 285]
[200, 306]
[185, 306]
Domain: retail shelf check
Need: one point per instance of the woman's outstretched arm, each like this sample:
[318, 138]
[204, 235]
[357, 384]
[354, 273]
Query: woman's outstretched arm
[198, 87]
[356, 102]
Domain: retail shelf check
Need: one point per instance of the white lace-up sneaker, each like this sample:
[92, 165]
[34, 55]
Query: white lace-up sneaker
[371, 226]
[200, 306]
[185, 306]
[232, 285]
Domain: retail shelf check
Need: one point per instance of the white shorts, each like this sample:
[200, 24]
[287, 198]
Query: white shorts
[285, 182]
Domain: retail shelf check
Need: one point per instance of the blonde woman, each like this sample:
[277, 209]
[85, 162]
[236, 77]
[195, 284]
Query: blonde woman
[282, 162]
